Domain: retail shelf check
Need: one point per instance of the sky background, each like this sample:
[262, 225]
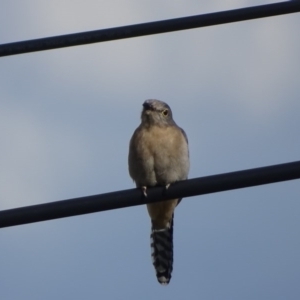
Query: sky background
[66, 117]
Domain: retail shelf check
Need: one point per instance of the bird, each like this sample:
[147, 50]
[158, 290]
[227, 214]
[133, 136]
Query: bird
[159, 156]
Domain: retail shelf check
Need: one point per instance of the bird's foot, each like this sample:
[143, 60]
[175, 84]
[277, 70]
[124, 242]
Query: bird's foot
[166, 188]
[144, 190]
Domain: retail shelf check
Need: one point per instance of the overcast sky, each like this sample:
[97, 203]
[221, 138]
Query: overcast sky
[66, 117]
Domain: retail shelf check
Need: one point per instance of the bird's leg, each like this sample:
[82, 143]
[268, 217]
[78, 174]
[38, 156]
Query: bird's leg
[144, 190]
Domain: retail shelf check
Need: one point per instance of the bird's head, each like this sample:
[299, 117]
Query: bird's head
[156, 112]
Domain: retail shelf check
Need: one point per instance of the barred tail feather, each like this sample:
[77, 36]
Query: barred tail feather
[162, 252]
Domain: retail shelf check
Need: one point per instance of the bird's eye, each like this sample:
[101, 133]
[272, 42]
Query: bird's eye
[165, 112]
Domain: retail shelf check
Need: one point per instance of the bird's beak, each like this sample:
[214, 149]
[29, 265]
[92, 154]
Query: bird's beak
[147, 106]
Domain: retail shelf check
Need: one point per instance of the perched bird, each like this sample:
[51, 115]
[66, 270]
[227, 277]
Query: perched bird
[159, 156]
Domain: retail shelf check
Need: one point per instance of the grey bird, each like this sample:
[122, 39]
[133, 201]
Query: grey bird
[159, 156]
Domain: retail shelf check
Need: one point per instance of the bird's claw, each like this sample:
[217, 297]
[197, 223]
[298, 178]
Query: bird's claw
[144, 190]
[166, 188]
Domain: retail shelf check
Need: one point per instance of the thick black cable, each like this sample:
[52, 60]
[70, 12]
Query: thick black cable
[130, 31]
[132, 197]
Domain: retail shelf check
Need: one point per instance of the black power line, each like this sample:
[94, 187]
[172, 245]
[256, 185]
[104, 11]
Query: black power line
[132, 197]
[130, 31]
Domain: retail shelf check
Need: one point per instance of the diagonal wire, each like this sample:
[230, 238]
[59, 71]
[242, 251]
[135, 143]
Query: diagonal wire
[132, 197]
[144, 29]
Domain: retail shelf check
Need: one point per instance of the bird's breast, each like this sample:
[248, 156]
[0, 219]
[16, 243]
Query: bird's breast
[160, 154]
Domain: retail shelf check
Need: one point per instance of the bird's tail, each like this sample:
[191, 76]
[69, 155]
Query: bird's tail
[162, 252]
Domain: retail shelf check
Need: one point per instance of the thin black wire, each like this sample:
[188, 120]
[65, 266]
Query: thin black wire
[130, 31]
[188, 188]
[132, 197]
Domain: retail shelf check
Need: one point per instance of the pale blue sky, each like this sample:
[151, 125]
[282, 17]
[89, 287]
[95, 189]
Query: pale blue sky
[66, 117]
